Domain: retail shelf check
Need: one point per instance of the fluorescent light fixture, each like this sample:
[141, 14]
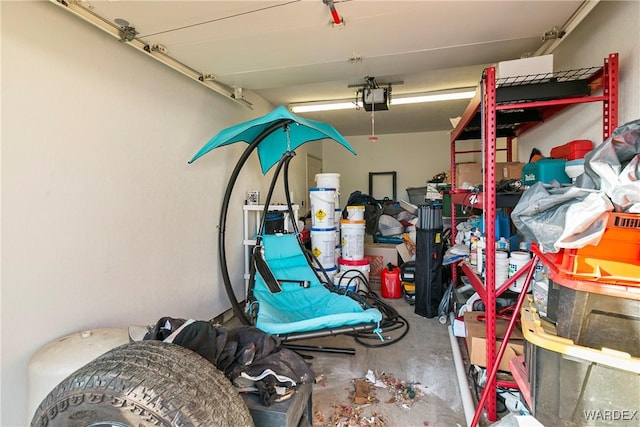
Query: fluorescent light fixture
[433, 97]
[346, 104]
[311, 107]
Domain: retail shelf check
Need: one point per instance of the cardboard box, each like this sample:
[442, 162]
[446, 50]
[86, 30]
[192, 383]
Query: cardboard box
[477, 341]
[509, 170]
[379, 255]
[533, 66]
[472, 172]
[407, 250]
[468, 172]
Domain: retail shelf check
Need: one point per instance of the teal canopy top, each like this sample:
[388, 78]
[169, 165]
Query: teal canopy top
[286, 132]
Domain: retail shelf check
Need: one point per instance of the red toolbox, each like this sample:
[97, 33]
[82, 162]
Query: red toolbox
[572, 150]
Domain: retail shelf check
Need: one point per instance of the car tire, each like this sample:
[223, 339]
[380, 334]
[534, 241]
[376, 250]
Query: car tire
[145, 383]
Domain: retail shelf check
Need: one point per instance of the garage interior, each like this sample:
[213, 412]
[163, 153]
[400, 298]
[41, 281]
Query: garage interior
[106, 224]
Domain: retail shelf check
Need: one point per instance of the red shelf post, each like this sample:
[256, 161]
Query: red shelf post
[610, 92]
[488, 114]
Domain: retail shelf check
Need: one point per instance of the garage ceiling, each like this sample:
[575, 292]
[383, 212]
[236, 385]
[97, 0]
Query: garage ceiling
[292, 51]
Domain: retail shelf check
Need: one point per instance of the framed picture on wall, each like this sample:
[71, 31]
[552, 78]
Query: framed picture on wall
[382, 185]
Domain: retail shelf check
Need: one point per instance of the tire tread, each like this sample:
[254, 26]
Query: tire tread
[148, 382]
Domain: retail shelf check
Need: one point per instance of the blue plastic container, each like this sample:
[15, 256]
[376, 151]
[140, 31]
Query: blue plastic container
[502, 225]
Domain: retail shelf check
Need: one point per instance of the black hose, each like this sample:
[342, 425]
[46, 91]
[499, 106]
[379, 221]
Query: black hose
[391, 319]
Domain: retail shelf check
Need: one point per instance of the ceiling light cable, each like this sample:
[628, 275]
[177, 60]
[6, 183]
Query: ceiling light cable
[373, 137]
[222, 18]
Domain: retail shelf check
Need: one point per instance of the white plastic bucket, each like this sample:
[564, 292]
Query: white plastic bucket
[355, 213]
[323, 244]
[328, 180]
[517, 260]
[331, 273]
[322, 202]
[350, 280]
[361, 265]
[352, 241]
[502, 267]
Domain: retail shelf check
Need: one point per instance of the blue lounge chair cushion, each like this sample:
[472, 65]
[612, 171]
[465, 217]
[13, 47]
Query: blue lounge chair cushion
[298, 308]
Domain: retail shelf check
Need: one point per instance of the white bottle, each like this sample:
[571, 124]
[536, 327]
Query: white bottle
[480, 260]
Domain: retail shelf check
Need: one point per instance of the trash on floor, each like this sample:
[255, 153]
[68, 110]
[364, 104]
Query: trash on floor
[363, 393]
[322, 380]
[401, 392]
[347, 416]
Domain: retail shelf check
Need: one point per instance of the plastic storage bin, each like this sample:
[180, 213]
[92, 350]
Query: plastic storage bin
[572, 150]
[616, 256]
[599, 320]
[545, 170]
[573, 385]
[417, 195]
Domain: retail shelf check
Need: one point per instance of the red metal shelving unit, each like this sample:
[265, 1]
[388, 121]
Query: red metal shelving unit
[488, 104]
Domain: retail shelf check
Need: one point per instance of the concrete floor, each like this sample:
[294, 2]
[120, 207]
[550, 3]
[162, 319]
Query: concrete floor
[423, 357]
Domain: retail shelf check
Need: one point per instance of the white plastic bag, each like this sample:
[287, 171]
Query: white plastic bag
[389, 226]
[614, 167]
[585, 222]
[546, 213]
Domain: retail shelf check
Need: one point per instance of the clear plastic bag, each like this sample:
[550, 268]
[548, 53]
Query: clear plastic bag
[557, 217]
[614, 168]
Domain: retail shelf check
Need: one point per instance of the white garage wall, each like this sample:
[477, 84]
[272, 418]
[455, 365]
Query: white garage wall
[104, 224]
[403, 153]
[611, 27]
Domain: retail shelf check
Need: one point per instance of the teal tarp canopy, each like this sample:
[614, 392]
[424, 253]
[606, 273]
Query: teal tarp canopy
[288, 132]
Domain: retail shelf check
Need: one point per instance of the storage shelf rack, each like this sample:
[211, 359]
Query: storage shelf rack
[508, 108]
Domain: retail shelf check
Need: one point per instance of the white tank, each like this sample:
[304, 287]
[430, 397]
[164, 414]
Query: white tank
[58, 359]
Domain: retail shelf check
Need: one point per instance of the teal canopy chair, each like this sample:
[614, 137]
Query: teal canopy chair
[289, 292]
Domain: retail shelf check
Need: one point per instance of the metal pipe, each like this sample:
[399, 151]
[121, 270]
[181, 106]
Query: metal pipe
[463, 382]
[324, 332]
[337, 350]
